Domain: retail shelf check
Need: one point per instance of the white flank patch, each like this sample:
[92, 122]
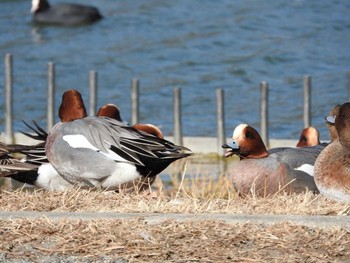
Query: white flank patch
[79, 141]
[307, 168]
[50, 180]
[123, 173]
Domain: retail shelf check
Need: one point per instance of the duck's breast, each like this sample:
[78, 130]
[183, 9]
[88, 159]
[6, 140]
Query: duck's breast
[332, 172]
[263, 176]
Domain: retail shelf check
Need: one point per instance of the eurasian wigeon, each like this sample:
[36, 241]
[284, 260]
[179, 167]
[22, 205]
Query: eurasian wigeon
[63, 13]
[150, 129]
[309, 136]
[265, 172]
[112, 111]
[10, 166]
[330, 119]
[44, 176]
[101, 152]
[332, 167]
[109, 110]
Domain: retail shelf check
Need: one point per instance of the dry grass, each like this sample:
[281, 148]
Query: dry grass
[192, 196]
[190, 191]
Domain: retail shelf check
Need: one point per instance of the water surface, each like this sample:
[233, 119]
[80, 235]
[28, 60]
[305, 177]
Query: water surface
[197, 45]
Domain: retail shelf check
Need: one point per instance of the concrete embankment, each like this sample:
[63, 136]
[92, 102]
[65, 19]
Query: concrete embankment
[156, 218]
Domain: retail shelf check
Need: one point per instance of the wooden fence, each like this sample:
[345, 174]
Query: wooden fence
[93, 79]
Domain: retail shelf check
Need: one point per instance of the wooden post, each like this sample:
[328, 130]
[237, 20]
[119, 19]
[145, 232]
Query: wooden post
[135, 86]
[307, 101]
[93, 92]
[220, 109]
[264, 113]
[177, 116]
[8, 99]
[50, 96]
[6, 183]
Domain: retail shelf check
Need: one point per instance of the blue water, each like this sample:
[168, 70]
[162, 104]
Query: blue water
[197, 45]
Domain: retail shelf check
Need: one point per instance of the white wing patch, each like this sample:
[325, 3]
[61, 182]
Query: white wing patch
[80, 141]
[307, 168]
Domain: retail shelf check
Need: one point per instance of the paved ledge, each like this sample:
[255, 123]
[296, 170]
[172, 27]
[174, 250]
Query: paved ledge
[156, 218]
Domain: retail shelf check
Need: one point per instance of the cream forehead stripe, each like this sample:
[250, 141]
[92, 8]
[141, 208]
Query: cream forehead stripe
[239, 130]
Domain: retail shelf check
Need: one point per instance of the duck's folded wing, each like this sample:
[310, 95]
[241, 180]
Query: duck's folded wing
[297, 157]
[10, 166]
[120, 142]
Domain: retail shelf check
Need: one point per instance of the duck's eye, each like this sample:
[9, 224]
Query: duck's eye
[248, 134]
